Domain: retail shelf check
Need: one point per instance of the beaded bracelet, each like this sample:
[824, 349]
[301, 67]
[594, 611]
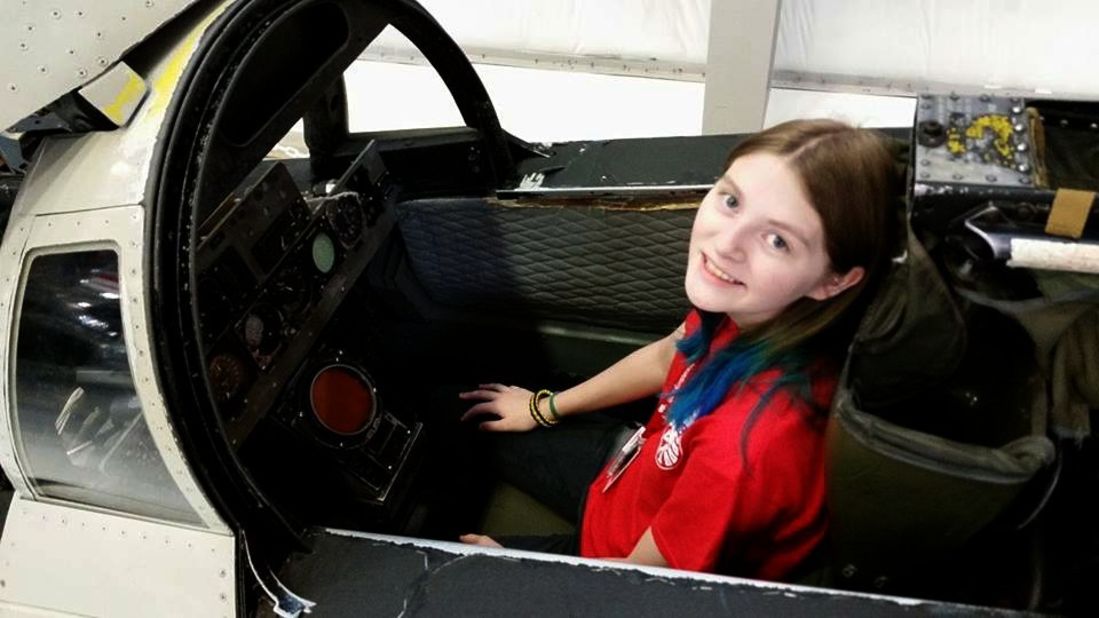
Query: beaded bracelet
[535, 413]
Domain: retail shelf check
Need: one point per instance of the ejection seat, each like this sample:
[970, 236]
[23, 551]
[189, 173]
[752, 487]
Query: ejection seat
[937, 455]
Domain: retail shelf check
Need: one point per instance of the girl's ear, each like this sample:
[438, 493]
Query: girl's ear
[834, 283]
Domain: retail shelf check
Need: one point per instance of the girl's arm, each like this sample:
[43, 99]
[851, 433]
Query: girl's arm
[639, 374]
[646, 551]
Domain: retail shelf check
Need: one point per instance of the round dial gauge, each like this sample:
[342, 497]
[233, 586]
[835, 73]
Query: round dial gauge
[324, 252]
[226, 376]
[261, 330]
[346, 218]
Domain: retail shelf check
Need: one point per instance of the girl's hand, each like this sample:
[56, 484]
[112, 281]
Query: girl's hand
[509, 404]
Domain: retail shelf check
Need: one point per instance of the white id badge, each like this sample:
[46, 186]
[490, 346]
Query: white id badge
[624, 457]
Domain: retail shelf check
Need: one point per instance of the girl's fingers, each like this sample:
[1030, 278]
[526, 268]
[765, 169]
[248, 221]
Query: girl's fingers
[485, 407]
[479, 394]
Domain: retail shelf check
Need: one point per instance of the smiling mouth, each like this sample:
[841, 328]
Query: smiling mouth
[717, 272]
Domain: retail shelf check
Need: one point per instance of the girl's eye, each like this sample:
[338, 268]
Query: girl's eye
[730, 201]
[777, 242]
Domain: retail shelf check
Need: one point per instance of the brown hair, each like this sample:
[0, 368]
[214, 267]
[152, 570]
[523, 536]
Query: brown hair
[850, 178]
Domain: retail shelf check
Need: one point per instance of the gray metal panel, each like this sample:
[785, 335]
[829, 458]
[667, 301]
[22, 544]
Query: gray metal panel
[104, 169]
[124, 228]
[50, 48]
[93, 564]
[350, 574]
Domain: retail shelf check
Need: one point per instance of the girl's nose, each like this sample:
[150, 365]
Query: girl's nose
[732, 243]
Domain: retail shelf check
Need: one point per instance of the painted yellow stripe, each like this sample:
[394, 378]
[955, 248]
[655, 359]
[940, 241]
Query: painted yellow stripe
[164, 83]
[126, 100]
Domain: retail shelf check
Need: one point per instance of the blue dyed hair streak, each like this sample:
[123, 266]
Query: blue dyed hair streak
[730, 368]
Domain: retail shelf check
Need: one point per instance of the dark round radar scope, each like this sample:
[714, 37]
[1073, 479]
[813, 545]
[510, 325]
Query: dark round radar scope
[342, 399]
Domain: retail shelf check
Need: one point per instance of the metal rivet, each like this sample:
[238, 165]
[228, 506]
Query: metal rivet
[1064, 122]
[13, 87]
[43, 70]
[1017, 109]
[1023, 167]
[991, 177]
[957, 176]
[23, 46]
[101, 61]
[925, 162]
[1024, 180]
[1021, 147]
[29, 27]
[925, 175]
[1020, 127]
[880, 582]
[985, 98]
[55, 14]
[849, 571]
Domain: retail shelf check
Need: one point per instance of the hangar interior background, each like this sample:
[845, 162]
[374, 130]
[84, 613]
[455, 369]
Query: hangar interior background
[560, 70]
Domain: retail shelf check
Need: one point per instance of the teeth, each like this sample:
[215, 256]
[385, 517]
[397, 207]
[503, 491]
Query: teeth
[717, 272]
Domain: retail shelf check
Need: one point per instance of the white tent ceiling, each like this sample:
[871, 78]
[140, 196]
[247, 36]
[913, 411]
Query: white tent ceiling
[583, 68]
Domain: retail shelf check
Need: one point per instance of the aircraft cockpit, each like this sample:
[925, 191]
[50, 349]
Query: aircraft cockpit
[236, 371]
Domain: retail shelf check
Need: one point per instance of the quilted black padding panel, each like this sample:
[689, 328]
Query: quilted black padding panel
[605, 266]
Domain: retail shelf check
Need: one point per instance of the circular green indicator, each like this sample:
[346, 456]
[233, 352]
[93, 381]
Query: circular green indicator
[324, 252]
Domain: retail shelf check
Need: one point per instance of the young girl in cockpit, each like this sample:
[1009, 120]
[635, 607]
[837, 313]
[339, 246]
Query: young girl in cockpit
[728, 473]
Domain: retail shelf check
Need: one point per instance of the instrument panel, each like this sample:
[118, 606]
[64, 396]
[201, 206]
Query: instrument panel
[273, 268]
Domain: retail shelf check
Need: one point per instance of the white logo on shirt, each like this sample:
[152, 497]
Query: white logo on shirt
[667, 454]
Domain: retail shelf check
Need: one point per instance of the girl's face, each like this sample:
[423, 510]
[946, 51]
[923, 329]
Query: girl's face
[757, 244]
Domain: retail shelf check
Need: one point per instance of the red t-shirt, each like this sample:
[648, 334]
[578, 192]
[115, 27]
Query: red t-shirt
[707, 510]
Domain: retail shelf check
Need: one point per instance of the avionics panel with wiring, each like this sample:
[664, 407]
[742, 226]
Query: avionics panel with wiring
[1007, 186]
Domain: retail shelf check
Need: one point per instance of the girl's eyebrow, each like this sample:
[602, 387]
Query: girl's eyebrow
[725, 178]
